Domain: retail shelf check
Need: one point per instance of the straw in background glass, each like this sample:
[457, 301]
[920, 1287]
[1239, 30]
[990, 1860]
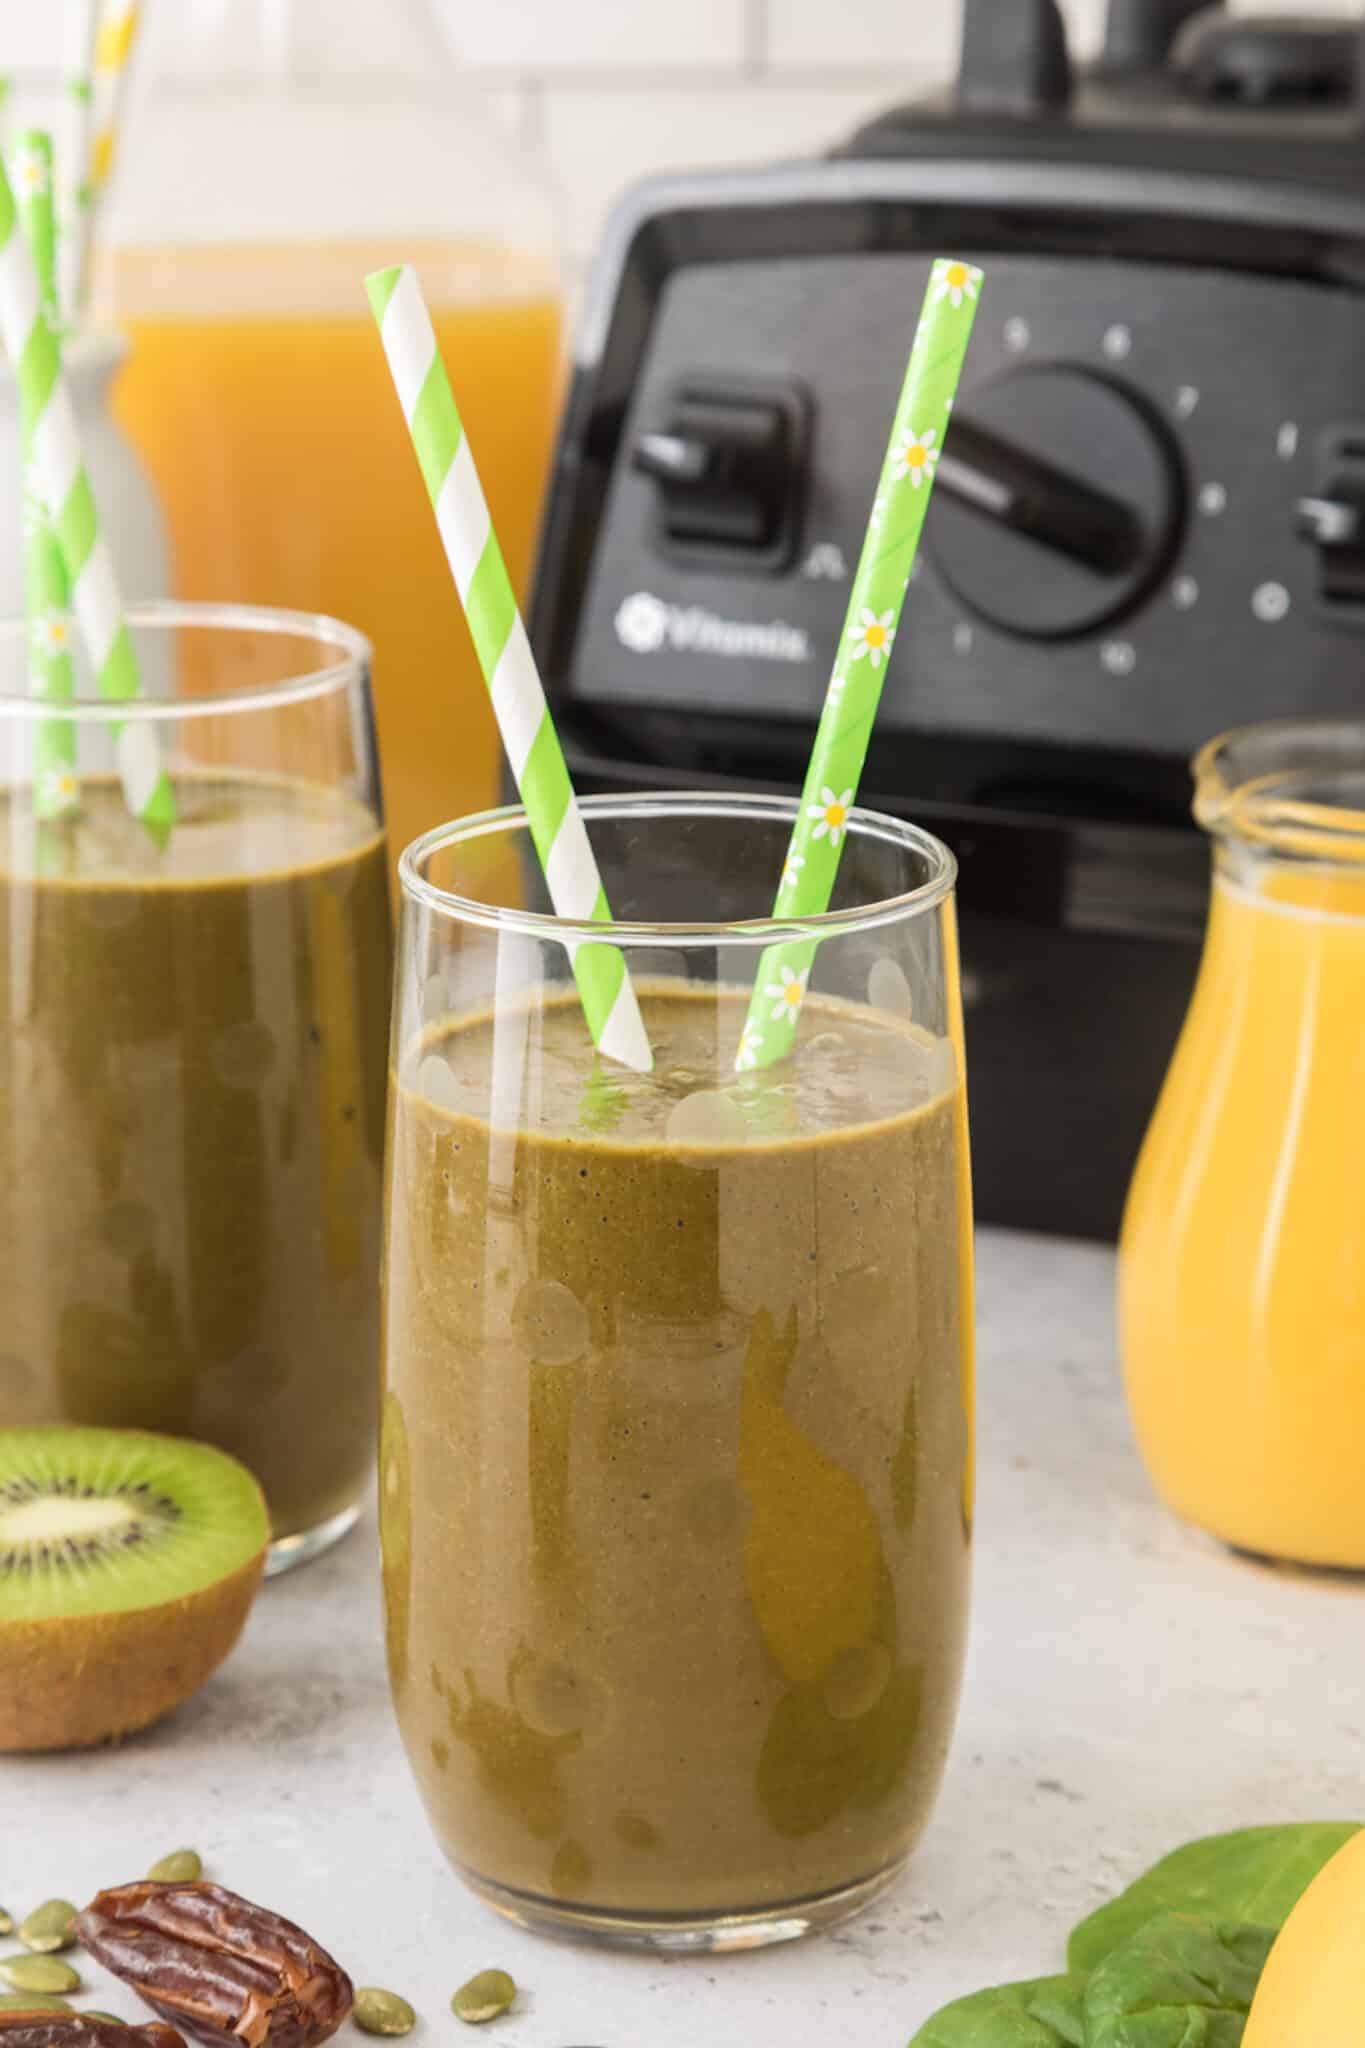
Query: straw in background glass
[869, 631]
[47, 593]
[118, 25]
[505, 657]
[32, 349]
[73, 153]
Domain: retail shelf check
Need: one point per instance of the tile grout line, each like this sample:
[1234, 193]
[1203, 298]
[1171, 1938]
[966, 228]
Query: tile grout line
[756, 38]
[726, 83]
[532, 88]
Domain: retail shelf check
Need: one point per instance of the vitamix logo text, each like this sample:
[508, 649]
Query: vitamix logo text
[646, 625]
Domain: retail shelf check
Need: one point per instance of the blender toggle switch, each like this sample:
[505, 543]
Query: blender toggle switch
[1330, 522]
[727, 463]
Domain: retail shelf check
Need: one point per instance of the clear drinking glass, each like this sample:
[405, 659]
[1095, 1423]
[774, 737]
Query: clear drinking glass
[676, 1450]
[1242, 1260]
[192, 1059]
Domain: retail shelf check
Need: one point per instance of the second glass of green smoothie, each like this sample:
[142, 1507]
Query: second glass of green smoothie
[192, 1055]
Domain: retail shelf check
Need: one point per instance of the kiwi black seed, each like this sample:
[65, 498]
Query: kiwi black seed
[128, 1563]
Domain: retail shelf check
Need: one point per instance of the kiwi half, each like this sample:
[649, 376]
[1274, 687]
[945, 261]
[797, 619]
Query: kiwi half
[128, 1563]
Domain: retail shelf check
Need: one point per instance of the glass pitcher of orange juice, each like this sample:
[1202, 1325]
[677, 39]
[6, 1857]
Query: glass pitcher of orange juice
[273, 152]
[1242, 1258]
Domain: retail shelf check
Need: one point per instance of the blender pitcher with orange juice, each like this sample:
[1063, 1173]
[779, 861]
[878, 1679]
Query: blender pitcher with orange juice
[1242, 1258]
[273, 153]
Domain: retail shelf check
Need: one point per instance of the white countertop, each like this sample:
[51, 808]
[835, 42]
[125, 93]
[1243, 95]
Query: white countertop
[1129, 1686]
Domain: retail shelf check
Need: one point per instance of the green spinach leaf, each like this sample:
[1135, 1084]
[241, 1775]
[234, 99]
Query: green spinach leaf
[1181, 1982]
[1254, 1874]
[1045, 2012]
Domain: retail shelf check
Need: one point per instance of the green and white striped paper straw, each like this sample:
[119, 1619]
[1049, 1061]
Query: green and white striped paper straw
[504, 652]
[79, 24]
[869, 631]
[51, 673]
[32, 348]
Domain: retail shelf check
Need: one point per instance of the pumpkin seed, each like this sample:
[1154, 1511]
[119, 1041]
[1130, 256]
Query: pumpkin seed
[33, 2001]
[484, 1997]
[182, 1866]
[382, 2012]
[48, 1927]
[6, 1922]
[111, 2019]
[39, 1973]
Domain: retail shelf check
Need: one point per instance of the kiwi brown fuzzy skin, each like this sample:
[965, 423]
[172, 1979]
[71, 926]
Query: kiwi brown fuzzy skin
[120, 1652]
[70, 1682]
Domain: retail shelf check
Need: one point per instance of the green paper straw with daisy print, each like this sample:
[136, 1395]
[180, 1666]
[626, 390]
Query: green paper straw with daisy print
[504, 654]
[869, 632]
[51, 675]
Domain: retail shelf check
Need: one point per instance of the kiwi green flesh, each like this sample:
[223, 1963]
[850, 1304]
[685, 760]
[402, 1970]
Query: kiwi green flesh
[109, 1521]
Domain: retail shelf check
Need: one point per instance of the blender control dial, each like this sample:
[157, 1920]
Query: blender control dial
[1060, 501]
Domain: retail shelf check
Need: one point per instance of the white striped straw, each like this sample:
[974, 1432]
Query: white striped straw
[509, 669]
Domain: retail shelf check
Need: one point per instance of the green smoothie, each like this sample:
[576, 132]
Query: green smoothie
[192, 1059]
[676, 1450]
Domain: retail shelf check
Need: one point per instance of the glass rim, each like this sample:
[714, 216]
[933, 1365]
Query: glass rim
[353, 664]
[508, 818]
[1264, 809]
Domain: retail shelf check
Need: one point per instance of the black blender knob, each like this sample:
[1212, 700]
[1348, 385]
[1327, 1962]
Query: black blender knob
[1032, 496]
[1072, 504]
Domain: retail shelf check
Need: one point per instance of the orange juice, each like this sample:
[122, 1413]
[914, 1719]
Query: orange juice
[1242, 1268]
[257, 394]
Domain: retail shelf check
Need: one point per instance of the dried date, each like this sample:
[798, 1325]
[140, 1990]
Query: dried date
[73, 2030]
[230, 1973]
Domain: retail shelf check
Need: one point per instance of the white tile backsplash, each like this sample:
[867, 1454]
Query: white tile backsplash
[597, 141]
[610, 89]
[30, 37]
[875, 35]
[600, 35]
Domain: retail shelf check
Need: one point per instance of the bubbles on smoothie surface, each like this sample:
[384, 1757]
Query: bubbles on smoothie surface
[436, 1081]
[856, 1680]
[851, 1065]
[552, 1322]
[706, 1117]
[518, 1766]
[554, 1699]
[822, 1596]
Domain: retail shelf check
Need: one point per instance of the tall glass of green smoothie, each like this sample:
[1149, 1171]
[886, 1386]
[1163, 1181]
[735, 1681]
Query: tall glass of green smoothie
[193, 1024]
[676, 1444]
